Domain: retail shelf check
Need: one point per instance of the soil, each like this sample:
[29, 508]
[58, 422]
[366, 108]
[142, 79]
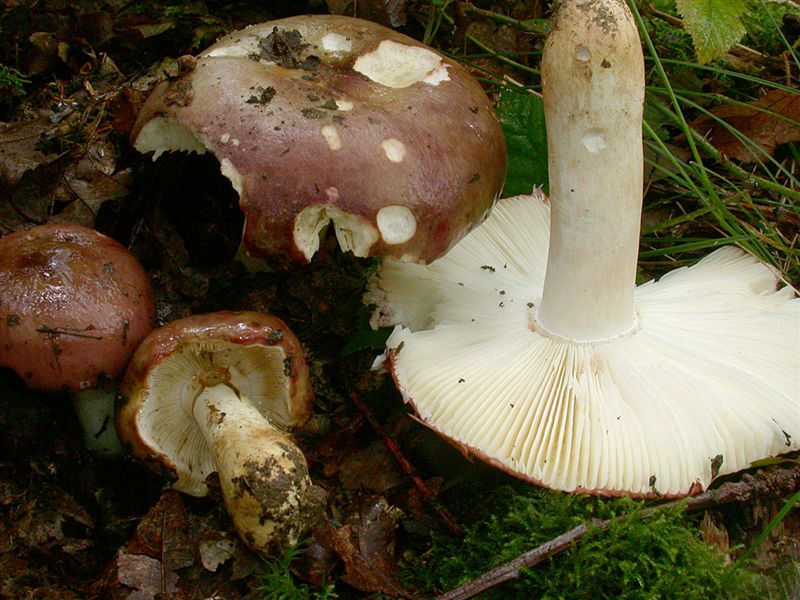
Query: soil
[77, 525]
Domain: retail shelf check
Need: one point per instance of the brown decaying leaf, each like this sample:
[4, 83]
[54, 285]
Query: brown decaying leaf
[163, 533]
[368, 468]
[44, 520]
[76, 183]
[366, 545]
[19, 149]
[145, 575]
[180, 553]
[391, 13]
[766, 121]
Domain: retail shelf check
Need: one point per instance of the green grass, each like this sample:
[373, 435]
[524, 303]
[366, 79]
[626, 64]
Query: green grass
[715, 201]
[12, 79]
[276, 582]
[730, 203]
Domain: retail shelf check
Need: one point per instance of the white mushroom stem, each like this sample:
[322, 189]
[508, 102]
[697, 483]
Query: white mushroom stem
[263, 474]
[95, 411]
[593, 81]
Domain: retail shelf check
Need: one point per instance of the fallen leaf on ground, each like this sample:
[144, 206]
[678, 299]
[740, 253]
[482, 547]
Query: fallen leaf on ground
[366, 545]
[49, 517]
[213, 553]
[770, 121]
[19, 149]
[163, 533]
[370, 468]
[145, 575]
[386, 12]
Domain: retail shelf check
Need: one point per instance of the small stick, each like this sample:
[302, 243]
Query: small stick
[408, 469]
[511, 569]
[765, 482]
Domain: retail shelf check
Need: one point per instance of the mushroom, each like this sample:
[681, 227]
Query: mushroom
[74, 304]
[323, 118]
[549, 362]
[216, 393]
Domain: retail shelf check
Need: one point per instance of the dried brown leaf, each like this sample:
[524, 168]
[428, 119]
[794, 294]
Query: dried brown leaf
[163, 533]
[19, 149]
[768, 122]
[213, 553]
[316, 563]
[47, 515]
[386, 12]
[366, 545]
[370, 468]
[146, 575]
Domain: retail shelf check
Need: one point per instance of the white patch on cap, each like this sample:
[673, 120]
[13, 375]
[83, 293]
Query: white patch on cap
[399, 65]
[582, 53]
[331, 137]
[344, 105]
[397, 224]
[235, 51]
[394, 149]
[228, 170]
[335, 42]
[224, 138]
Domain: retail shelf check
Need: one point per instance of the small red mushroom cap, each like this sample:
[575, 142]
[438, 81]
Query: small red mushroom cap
[74, 305]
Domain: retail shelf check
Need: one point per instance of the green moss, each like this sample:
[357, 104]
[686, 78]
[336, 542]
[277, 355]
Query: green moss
[671, 41]
[659, 557]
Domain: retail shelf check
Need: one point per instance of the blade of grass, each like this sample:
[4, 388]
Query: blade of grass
[779, 31]
[776, 520]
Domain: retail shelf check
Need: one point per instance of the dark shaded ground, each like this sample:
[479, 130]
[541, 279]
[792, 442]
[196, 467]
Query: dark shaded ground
[73, 525]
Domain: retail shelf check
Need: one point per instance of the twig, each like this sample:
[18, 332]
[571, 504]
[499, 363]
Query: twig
[765, 482]
[527, 27]
[511, 569]
[427, 493]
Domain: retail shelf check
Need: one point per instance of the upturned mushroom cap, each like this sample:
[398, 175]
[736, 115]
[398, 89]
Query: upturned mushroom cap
[74, 304]
[708, 383]
[530, 343]
[329, 118]
[215, 393]
[265, 361]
